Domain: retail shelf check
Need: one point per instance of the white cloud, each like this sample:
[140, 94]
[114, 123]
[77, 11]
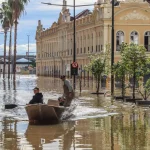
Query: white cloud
[30, 23]
[21, 48]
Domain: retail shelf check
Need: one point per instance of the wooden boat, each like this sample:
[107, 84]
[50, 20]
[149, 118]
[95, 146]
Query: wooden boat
[44, 113]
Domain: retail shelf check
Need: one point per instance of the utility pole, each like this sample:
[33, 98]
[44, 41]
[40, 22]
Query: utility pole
[112, 51]
[74, 52]
[28, 49]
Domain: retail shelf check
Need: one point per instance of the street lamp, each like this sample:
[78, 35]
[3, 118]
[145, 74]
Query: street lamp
[28, 49]
[112, 51]
[74, 52]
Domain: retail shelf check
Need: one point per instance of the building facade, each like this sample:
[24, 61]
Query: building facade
[93, 32]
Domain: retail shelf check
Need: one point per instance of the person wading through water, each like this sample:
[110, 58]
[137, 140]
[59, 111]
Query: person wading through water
[68, 95]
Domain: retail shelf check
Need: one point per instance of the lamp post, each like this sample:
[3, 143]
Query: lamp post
[112, 51]
[74, 43]
[28, 49]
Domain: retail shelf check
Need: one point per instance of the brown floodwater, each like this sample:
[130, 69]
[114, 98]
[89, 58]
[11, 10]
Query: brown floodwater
[97, 123]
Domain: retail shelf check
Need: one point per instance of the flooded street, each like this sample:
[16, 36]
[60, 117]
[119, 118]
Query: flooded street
[97, 123]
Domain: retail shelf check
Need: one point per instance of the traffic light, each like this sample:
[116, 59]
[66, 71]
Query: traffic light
[74, 68]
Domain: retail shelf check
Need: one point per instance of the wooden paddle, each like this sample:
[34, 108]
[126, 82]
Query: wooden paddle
[11, 106]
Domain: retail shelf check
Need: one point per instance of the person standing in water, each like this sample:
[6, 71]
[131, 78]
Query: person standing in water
[68, 94]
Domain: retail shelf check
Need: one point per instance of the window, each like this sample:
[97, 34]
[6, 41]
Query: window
[96, 48]
[71, 51]
[92, 48]
[147, 40]
[119, 39]
[134, 37]
[101, 47]
[81, 50]
[84, 50]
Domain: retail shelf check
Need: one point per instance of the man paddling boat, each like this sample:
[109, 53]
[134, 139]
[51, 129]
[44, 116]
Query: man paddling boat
[37, 98]
[68, 94]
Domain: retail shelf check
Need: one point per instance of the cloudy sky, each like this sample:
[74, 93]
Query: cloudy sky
[28, 22]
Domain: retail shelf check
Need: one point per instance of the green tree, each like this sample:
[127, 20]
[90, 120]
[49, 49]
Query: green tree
[136, 62]
[9, 15]
[11, 22]
[144, 90]
[18, 7]
[33, 63]
[119, 70]
[99, 65]
[5, 26]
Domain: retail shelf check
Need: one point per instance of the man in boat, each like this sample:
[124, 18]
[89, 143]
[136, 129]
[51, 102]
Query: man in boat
[68, 92]
[37, 98]
[61, 101]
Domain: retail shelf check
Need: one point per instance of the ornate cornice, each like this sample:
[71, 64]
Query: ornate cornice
[134, 16]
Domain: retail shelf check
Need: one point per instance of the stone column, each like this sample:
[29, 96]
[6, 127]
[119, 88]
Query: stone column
[94, 41]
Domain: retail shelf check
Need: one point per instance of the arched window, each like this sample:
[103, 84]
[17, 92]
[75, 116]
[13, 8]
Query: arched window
[147, 40]
[119, 39]
[134, 37]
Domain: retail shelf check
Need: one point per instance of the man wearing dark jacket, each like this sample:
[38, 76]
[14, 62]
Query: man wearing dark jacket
[37, 98]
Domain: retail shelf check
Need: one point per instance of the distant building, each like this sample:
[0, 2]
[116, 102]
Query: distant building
[31, 57]
[21, 63]
[1, 65]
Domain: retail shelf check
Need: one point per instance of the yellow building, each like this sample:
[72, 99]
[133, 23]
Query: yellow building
[93, 31]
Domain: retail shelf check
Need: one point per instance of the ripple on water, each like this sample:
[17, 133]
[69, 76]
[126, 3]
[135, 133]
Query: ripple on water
[76, 112]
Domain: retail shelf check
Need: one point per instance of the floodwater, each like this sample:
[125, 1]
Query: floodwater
[97, 123]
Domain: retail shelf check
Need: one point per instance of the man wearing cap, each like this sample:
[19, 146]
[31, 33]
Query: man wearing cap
[37, 98]
[68, 91]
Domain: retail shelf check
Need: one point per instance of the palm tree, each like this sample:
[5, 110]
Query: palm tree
[11, 20]
[5, 25]
[18, 7]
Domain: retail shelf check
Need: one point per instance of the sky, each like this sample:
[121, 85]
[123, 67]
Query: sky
[28, 22]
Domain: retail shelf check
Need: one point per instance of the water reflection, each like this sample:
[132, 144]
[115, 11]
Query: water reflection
[9, 134]
[41, 137]
[119, 132]
[94, 126]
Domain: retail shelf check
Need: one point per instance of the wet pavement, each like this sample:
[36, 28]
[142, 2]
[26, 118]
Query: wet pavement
[97, 123]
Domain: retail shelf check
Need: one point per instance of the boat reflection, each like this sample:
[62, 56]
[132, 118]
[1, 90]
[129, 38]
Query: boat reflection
[51, 137]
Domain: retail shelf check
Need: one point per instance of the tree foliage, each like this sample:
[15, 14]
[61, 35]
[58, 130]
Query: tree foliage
[135, 61]
[18, 7]
[144, 90]
[119, 70]
[99, 65]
